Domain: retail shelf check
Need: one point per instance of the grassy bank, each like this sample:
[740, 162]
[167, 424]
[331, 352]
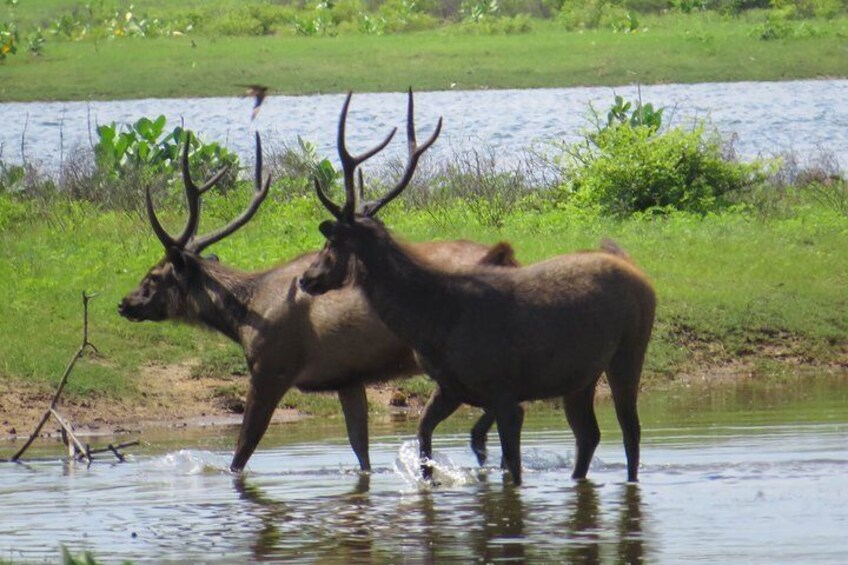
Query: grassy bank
[673, 47]
[731, 286]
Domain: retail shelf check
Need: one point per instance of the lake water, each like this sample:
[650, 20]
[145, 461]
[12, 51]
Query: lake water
[765, 118]
[749, 473]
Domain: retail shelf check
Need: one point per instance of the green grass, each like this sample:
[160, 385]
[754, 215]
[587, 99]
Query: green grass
[674, 48]
[729, 283]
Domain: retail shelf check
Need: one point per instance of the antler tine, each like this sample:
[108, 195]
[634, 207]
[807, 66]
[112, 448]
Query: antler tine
[351, 162]
[160, 232]
[325, 200]
[213, 181]
[415, 152]
[192, 196]
[361, 186]
[261, 190]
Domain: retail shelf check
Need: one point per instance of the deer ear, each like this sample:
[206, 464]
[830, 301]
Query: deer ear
[327, 228]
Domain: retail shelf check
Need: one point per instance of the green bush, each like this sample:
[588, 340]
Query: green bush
[597, 14]
[12, 211]
[261, 19]
[146, 144]
[626, 168]
[8, 39]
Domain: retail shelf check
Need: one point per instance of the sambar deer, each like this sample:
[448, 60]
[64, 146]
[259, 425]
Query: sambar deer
[495, 337]
[330, 343]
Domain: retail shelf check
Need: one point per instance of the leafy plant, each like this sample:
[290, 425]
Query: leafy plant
[146, 144]
[320, 22]
[630, 166]
[776, 26]
[35, 42]
[479, 10]
[596, 14]
[372, 25]
[70, 26]
[8, 39]
[642, 114]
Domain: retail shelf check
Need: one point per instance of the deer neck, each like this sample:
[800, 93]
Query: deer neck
[221, 300]
[412, 299]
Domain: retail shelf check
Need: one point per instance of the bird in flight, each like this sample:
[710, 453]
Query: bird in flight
[258, 92]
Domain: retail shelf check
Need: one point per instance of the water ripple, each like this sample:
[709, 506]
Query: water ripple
[766, 118]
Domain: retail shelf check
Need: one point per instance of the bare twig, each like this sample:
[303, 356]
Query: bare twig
[51, 410]
[74, 444]
[115, 449]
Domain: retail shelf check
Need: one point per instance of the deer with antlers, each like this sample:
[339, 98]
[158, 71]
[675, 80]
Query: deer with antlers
[494, 337]
[329, 343]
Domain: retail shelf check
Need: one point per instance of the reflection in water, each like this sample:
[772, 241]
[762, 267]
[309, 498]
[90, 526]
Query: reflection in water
[270, 513]
[630, 539]
[488, 522]
[502, 515]
[299, 504]
[587, 532]
[583, 524]
[352, 525]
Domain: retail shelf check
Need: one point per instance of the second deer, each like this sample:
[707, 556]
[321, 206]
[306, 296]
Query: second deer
[495, 337]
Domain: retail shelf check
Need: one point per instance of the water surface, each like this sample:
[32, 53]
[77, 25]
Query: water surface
[750, 474]
[765, 118]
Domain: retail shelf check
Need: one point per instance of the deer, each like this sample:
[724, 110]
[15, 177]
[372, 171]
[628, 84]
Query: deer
[329, 343]
[495, 337]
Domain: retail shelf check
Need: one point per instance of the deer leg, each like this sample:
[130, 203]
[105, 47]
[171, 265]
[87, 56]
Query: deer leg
[510, 418]
[478, 436]
[263, 395]
[623, 375]
[580, 412]
[355, 409]
[439, 407]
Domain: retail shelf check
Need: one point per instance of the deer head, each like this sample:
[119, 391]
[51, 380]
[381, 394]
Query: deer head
[334, 265]
[162, 293]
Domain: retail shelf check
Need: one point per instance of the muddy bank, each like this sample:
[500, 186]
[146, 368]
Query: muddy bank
[173, 398]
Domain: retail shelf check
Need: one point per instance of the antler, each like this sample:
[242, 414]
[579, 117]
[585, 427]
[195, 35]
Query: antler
[415, 151]
[349, 166]
[186, 239]
[260, 191]
[193, 193]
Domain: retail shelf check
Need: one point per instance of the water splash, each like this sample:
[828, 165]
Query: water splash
[544, 460]
[445, 471]
[191, 462]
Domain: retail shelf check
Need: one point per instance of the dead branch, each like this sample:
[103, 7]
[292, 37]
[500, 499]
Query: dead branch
[75, 446]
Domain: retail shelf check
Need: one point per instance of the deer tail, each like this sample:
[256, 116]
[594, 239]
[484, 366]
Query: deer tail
[610, 246]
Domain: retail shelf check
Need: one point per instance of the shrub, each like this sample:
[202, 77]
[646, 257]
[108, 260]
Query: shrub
[146, 144]
[297, 167]
[626, 168]
[129, 158]
[8, 40]
[597, 14]
[261, 19]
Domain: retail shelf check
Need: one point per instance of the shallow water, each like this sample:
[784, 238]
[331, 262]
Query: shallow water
[766, 118]
[752, 473]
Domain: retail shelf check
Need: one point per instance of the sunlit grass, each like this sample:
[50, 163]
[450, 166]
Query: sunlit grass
[666, 49]
[729, 279]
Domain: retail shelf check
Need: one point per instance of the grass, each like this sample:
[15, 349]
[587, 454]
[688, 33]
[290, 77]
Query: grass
[729, 284]
[673, 48]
